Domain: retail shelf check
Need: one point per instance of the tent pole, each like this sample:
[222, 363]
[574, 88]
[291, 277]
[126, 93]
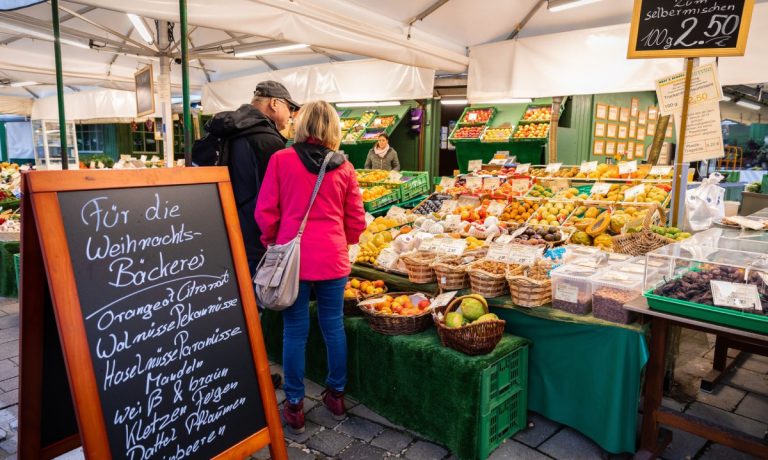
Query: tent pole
[185, 83]
[59, 84]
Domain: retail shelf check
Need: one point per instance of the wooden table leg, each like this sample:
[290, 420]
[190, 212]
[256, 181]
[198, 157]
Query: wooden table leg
[654, 383]
[721, 363]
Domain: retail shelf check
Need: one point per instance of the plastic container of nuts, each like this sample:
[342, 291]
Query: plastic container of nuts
[612, 288]
[572, 289]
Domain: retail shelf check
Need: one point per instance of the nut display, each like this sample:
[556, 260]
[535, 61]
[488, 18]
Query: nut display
[608, 304]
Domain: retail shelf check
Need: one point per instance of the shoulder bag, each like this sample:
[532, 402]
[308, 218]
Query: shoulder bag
[276, 282]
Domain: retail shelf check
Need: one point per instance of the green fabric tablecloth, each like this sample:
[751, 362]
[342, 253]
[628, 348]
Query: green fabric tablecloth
[8, 287]
[583, 372]
[411, 380]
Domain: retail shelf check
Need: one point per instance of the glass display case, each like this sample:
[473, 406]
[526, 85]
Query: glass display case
[46, 138]
[730, 238]
[711, 284]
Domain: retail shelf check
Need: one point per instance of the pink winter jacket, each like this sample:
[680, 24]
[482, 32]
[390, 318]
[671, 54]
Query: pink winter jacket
[336, 219]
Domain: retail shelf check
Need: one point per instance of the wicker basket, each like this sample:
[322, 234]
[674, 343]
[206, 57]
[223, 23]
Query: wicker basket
[451, 271]
[418, 265]
[526, 288]
[350, 305]
[396, 324]
[485, 283]
[472, 339]
[644, 241]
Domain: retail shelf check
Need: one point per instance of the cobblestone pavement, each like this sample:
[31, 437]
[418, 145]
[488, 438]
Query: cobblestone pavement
[739, 402]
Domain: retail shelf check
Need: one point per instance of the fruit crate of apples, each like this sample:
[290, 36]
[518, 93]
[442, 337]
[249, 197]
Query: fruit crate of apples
[501, 134]
[466, 133]
[639, 193]
[538, 113]
[566, 172]
[531, 131]
[377, 197]
[383, 121]
[478, 116]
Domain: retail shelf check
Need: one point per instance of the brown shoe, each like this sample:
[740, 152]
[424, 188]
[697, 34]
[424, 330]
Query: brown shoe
[293, 415]
[334, 401]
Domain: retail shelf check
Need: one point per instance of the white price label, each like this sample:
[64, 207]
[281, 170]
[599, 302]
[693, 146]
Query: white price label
[447, 182]
[553, 167]
[474, 183]
[523, 168]
[369, 219]
[472, 116]
[468, 200]
[495, 208]
[503, 239]
[451, 246]
[627, 167]
[475, 165]
[387, 258]
[567, 293]
[501, 154]
[395, 211]
[498, 251]
[92, 165]
[143, 158]
[600, 188]
[736, 295]
[520, 185]
[498, 161]
[443, 299]
[632, 192]
[430, 244]
[395, 176]
[354, 251]
[154, 159]
[559, 185]
[449, 206]
[490, 183]
[511, 253]
[588, 166]
[660, 171]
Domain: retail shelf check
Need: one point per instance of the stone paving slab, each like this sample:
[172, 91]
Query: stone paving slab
[539, 430]
[748, 380]
[724, 397]
[310, 429]
[322, 416]
[756, 363]
[361, 451]
[363, 411]
[721, 452]
[422, 450]
[755, 407]
[329, 442]
[728, 419]
[392, 441]
[684, 445]
[513, 449]
[568, 442]
[360, 428]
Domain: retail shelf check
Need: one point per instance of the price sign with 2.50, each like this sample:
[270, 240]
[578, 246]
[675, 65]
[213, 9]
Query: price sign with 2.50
[689, 28]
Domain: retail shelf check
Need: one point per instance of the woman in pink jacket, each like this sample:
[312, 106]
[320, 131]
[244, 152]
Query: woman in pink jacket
[336, 220]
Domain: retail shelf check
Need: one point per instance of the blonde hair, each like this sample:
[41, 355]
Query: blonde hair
[319, 121]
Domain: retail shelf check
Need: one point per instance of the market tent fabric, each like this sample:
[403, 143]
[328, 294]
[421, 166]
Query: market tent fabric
[593, 61]
[98, 104]
[369, 80]
[11, 105]
[18, 137]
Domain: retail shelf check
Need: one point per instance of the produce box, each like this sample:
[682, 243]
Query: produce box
[474, 116]
[612, 288]
[707, 313]
[500, 134]
[380, 202]
[572, 289]
[466, 133]
[533, 131]
[414, 183]
[537, 113]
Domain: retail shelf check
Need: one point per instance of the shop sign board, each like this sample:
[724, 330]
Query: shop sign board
[150, 298]
[145, 91]
[689, 28]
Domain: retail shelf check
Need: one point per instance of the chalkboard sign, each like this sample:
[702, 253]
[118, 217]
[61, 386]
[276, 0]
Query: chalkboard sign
[158, 323]
[145, 91]
[689, 28]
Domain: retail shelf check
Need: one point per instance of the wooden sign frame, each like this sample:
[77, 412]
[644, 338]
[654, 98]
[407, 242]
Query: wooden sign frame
[143, 106]
[45, 251]
[741, 42]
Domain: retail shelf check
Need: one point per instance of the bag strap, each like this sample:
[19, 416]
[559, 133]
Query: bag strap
[314, 192]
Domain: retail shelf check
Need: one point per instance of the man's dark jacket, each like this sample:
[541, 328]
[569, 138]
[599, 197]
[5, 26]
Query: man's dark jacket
[257, 138]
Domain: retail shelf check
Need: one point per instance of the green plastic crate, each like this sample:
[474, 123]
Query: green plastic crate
[708, 313]
[503, 378]
[380, 202]
[417, 185]
[501, 423]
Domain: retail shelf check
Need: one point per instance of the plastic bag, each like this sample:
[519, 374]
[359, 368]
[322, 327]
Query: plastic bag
[705, 204]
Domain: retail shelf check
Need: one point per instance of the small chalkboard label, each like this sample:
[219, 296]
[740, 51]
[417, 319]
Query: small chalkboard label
[689, 28]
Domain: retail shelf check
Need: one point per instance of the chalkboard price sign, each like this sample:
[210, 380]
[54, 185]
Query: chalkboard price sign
[689, 28]
[159, 338]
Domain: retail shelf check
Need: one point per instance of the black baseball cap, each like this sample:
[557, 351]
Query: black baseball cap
[271, 88]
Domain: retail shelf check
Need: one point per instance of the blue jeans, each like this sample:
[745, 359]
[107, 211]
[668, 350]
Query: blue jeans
[330, 306]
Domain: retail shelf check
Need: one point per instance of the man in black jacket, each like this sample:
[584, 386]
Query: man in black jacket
[254, 133]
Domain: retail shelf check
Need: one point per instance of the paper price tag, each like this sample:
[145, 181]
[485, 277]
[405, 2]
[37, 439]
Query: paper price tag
[447, 182]
[498, 251]
[154, 159]
[387, 258]
[451, 246]
[523, 168]
[567, 293]
[354, 251]
[395, 211]
[395, 176]
[474, 183]
[472, 116]
[627, 167]
[449, 206]
[468, 200]
[498, 161]
[495, 208]
[143, 158]
[503, 239]
[369, 219]
[600, 188]
[588, 166]
[632, 192]
[491, 183]
[443, 299]
[553, 167]
[660, 171]
[736, 295]
[559, 184]
[520, 185]
[523, 255]
[475, 165]
[92, 165]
